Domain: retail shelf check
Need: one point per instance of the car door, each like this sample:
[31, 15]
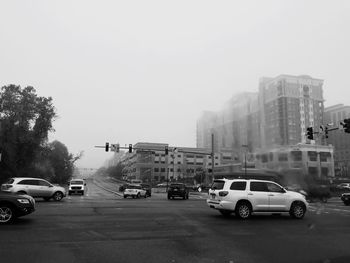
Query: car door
[258, 195]
[45, 188]
[30, 186]
[277, 197]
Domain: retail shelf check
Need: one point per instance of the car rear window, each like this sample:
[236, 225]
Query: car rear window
[177, 186]
[238, 186]
[9, 181]
[218, 185]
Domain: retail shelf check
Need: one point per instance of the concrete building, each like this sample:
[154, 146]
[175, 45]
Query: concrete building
[339, 139]
[149, 163]
[311, 160]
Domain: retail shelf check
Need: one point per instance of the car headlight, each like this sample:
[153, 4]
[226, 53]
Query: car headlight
[23, 201]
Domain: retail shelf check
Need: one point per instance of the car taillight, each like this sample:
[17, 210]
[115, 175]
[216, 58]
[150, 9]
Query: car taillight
[223, 193]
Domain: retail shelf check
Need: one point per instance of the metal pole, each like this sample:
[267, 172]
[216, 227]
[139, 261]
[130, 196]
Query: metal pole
[212, 157]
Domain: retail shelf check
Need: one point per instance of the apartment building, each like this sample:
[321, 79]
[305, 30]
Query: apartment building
[334, 115]
[150, 163]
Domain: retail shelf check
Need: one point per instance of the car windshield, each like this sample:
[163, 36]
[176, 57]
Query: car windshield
[134, 187]
[77, 182]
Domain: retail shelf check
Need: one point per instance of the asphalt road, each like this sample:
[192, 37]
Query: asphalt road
[103, 227]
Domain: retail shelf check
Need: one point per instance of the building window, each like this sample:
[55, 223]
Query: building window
[283, 157]
[296, 155]
[190, 162]
[178, 162]
[324, 156]
[162, 170]
[312, 156]
[264, 158]
[156, 170]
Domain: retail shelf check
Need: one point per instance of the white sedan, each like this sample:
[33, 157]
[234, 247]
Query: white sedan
[135, 191]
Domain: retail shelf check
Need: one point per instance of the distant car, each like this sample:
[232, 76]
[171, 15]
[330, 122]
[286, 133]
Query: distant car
[76, 186]
[345, 198]
[162, 185]
[343, 186]
[318, 192]
[135, 191]
[13, 206]
[35, 187]
[123, 187]
[148, 189]
[178, 190]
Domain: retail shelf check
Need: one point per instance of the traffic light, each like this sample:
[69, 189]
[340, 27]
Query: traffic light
[130, 148]
[326, 132]
[310, 133]
[107, 147]
[166, 150]
[346, 125]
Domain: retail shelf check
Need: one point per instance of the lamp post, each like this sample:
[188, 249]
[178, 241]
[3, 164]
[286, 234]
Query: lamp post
[245, 159]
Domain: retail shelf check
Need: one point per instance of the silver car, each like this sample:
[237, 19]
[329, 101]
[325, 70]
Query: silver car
[35, 187]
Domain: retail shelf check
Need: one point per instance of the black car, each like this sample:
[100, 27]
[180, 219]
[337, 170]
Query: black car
[148, 189]
[13, 206]
[123, 187]
[178, 190]
[346, 198]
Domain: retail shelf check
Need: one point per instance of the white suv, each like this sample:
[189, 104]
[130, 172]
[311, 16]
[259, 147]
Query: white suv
[77, 186]
[135, 191]
[244, 197]
[35, 187]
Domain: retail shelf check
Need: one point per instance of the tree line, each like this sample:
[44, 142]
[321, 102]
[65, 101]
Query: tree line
[25, 122]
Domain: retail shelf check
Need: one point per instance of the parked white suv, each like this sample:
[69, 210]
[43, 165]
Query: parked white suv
[35, 187]
[244, 197]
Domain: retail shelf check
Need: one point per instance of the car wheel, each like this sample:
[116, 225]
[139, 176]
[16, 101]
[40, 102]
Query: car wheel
[124, 196]
[169, 197]
[346, 203]
[7, 214]
[184, 197]
[82, 193]
[138, 195]
[47, 198]
[57, 196]
[297, 210]
[243, 210]
[225, 212]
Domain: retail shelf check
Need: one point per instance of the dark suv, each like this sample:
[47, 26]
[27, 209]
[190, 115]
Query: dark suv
[13, 205]
[177, 190]
[148, 189]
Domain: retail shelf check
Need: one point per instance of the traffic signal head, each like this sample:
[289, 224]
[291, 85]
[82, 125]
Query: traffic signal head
[310, 133]
[107, 147]
[130, 148]
[166, 150]
[346, 125]
[326, 132]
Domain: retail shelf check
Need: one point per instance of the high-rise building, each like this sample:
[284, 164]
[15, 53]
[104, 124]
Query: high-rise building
[288, 106]
[334, 115]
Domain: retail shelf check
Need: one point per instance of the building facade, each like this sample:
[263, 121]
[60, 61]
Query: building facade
[149, 163]
[334, 115]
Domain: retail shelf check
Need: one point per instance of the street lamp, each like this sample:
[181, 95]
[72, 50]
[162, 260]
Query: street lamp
[245, 159]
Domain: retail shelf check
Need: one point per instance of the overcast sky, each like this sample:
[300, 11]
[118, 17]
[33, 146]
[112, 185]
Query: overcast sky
[143, 71]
